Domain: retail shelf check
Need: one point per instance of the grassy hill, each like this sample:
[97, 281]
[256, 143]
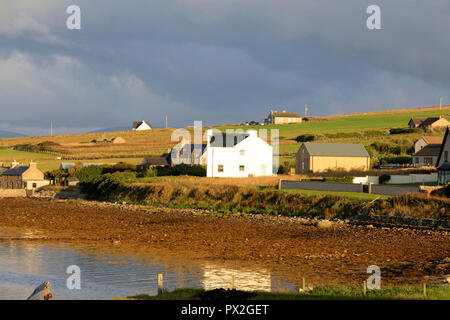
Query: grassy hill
[366, 128]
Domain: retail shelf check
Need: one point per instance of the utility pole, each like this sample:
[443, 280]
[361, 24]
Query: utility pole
[166, 121]
[440, 108]
[306, 110]
[51, 128]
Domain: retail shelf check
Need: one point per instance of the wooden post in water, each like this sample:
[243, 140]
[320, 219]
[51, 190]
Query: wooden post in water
[160, 283]
[364, 287]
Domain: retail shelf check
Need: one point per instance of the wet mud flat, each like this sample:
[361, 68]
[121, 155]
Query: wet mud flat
[328, 255]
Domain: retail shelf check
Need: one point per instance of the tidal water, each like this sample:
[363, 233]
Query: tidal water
[109, 271]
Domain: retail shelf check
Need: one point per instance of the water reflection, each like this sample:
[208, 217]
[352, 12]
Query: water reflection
[108, 272]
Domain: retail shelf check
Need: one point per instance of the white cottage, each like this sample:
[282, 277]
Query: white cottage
[141, 125]
[238, 155]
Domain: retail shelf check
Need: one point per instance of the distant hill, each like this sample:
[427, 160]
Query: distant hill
[9, 134]
[112, 129]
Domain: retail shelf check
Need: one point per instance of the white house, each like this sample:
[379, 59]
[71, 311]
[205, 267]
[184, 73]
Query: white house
[141, 125]
[238, 155]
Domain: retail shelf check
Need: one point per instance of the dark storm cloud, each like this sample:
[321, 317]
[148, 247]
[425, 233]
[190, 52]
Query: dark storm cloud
[216, 61]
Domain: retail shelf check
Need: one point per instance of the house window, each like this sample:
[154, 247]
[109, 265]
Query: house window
[428, 161]
[34, 185]
[445, 156]
[417, 159]
[242, 152]
[241, 168]
[220, 168]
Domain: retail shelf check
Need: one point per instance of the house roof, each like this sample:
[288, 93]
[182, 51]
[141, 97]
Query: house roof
[336, 149]
[447, 133]
[433, 140]
[284, 114]
[444, 166]
[417, 121]
[137, 124]
[16, 171]
[429, 150]
[428, 122]
[188, 148]
[227, 139]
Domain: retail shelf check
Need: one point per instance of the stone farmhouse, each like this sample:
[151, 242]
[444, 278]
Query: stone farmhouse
[283, 117]
[22, 177]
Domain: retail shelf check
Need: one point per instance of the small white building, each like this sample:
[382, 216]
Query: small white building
[238, 155]
[141, 125]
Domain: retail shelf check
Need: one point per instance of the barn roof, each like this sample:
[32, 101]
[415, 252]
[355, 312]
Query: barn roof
[336, 149]
[284, 114]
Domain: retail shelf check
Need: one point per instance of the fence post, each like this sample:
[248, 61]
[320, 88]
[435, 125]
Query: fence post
[279, 184]
[424, 289]
[370, 187]
[160, 283]
[304, 283]
[364, 287]
[362, 186]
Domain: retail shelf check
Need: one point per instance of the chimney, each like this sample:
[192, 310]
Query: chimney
[33, 164]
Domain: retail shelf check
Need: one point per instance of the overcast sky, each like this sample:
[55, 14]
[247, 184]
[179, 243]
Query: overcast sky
[220, 61]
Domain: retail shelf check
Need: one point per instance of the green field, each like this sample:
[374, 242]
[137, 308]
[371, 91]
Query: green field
[383, 120]
[350, 195]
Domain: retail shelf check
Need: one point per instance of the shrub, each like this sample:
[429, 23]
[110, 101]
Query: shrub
[405, 130]
[151, 172]
[285, 168]
[384, 178]
[305, 138]
[381, 147]
[397, 150]
[86, 174]
[182, 169]
[55, 174]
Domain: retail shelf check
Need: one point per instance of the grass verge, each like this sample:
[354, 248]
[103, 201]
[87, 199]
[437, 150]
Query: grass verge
[410, 292]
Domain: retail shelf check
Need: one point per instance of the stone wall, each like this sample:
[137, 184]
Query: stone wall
[346, 187]
[8, 193]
